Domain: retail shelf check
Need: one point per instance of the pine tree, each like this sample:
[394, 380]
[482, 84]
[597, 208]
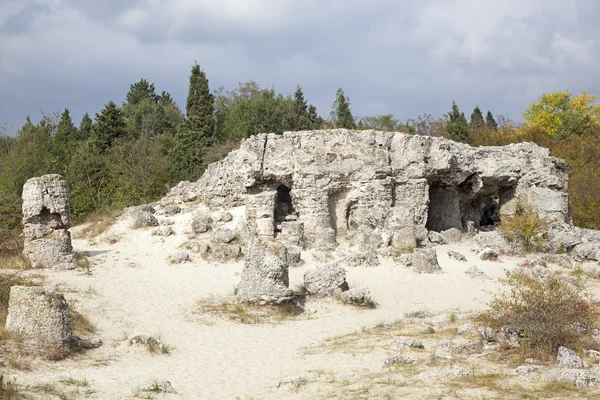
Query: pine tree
[140, 91]
[490, 122]
[341, 116]
[297, 118]
[314, 120]
[200, 105]
[66, 131]
[196, 133]
[85, 127]
[477, 118]
[457, 128]
[110, 125]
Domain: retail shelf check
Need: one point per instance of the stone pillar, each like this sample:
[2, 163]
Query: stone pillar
[40, 318]
[260, 213]
[46, 223]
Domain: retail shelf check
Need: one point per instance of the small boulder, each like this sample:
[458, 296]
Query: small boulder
[493, 240]
[486, 333]
[171, 210]
[224, 235]
[358, 296]
[40, 317]
[329, 280]
[456, 255]
[157, 387]
[568, 358]
[452, 235]
[164, 231]
[145, 219]
[436, 238]
[398, 360]
[488, 254]
[201, 222]
[425, 261]
[475, 272]
[179, 257]
[225, 216]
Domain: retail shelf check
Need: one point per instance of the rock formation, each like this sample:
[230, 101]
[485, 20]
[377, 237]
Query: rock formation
[39, 317]
[265, 274]
[46, 223]
[376, 190]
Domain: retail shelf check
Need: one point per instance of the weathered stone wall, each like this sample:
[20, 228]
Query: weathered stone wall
[379, 189]
[46, 222]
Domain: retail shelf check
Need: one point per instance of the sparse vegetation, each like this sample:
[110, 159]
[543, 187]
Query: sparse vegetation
[525, 228]
[247, 313]
[81, 324]
[550, 312]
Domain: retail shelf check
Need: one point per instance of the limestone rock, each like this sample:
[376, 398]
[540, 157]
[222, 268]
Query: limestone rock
[201, 222]
[398, 360]
[378, 189]
[40, 317]
[223, 235]
[487, 334]
[264, 273]
[145, 219]
[436, 238]
[329, 280]
[358, 296]
[171, 210]
[488, 254]
[158, 386]
[568, 358]
[425, 261]
[587, 251]
[46, 223]
[179, 257]
[452, 235]
[475, 272]
[224, 253]
[491, 240]
[457, 255]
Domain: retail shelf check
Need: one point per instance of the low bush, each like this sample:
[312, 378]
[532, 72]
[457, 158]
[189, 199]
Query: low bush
[548, 312]
[525, 228]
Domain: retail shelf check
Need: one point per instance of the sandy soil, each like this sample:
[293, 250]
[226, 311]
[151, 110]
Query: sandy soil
[132, 288]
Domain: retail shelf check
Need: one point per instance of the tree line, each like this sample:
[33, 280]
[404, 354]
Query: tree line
[134, 152]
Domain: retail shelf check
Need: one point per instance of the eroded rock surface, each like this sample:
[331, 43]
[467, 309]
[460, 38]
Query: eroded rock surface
[46, 223]
[39, 317]
[379, 191]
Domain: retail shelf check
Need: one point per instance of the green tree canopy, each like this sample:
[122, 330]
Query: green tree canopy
[141, 91]
[457, 128]
[85, 127]
[490, 122]
[110, 125]
[341, 116]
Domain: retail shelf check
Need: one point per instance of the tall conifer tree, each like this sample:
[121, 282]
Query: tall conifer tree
[457, 128]
[341, 116]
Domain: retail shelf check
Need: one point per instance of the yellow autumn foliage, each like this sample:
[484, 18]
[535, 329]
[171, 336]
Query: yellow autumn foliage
[560, 114]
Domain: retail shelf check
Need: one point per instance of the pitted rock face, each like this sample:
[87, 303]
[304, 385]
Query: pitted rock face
[46, 220]
[378, 190]
[41, 318]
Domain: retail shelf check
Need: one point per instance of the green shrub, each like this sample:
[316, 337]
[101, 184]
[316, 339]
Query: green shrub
[525, 227]
[549, 312]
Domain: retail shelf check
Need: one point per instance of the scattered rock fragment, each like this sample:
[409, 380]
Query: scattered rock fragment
[144, 219]
[360, 296]
[201, 222]
[398, 360]
[179, 257]
[475, 272]
[159, 386]
[488, 254]
[329, 280]
[568, 358]
[457, 255]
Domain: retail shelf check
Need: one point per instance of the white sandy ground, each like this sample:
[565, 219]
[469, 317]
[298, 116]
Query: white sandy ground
[132, 288]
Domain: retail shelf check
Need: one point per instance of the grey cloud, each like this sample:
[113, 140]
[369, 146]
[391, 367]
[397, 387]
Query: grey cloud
[406, 58]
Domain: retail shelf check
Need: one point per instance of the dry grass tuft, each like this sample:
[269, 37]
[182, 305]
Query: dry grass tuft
[97, 223]
[248, 313]
[81, 324]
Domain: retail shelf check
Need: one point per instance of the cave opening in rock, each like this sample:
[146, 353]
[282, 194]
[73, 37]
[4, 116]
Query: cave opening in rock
[444, 208]
[283, 204]
[459, 206]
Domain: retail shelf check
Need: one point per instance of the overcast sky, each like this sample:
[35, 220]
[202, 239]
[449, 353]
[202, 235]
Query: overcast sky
[401, 57]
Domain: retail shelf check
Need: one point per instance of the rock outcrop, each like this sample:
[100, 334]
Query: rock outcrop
[40, 318]
[265, 274]
[46, 223]
[376, 190]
